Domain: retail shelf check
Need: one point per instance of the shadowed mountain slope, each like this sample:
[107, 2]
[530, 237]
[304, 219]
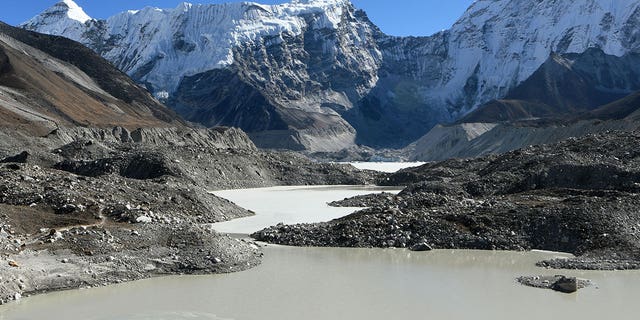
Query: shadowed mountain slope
[49, 81]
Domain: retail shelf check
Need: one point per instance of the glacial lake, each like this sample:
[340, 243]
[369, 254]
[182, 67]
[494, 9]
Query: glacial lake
[326, 283]
[388, 167]
[290, 205]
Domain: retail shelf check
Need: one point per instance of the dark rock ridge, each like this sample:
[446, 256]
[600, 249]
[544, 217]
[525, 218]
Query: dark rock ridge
[361, 154]
[19, 158]
[375, 200]
[141, 166]
[578, 196]
[565, 85]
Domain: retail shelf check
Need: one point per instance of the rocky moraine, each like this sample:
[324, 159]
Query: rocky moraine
[91, 207]
[580, 196]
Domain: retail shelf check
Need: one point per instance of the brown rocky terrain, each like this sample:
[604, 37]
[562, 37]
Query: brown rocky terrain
[47, 82]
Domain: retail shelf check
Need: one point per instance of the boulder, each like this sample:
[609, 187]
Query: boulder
[19, 158]
[422, 246]
[558, 283]
[144, 219]
[565, 284]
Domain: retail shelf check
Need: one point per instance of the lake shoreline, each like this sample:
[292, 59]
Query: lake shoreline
[103, 254]
[579, 196]
[205, 252]
[294, 268]
[413, 283]
[78, 209]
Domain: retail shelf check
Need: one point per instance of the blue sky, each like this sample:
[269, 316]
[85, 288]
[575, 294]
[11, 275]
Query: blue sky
[397, 17]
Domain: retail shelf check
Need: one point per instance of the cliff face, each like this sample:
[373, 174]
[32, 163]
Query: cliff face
[319, 75]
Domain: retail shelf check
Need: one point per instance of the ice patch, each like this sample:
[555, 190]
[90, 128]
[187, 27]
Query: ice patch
[75, 12]
[162, 95]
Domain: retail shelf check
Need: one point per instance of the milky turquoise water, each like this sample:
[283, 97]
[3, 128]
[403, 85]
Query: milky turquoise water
[327, 283]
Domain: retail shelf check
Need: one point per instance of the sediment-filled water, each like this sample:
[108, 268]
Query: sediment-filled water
[329, 283]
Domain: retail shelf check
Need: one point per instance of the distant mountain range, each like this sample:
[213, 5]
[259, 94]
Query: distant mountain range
[319, 75]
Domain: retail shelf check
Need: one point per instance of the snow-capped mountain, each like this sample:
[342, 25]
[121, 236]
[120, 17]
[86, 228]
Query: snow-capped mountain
[317, 74]
[64, 18]
[265, 48]
[498, 44]
[185, 40]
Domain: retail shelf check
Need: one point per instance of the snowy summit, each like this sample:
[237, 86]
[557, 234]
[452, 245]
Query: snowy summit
[65, 17]
[211, 30]
[74, 11]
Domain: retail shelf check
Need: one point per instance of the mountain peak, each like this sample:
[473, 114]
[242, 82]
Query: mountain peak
[184, 6]
[73, 10]
[64, 17]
